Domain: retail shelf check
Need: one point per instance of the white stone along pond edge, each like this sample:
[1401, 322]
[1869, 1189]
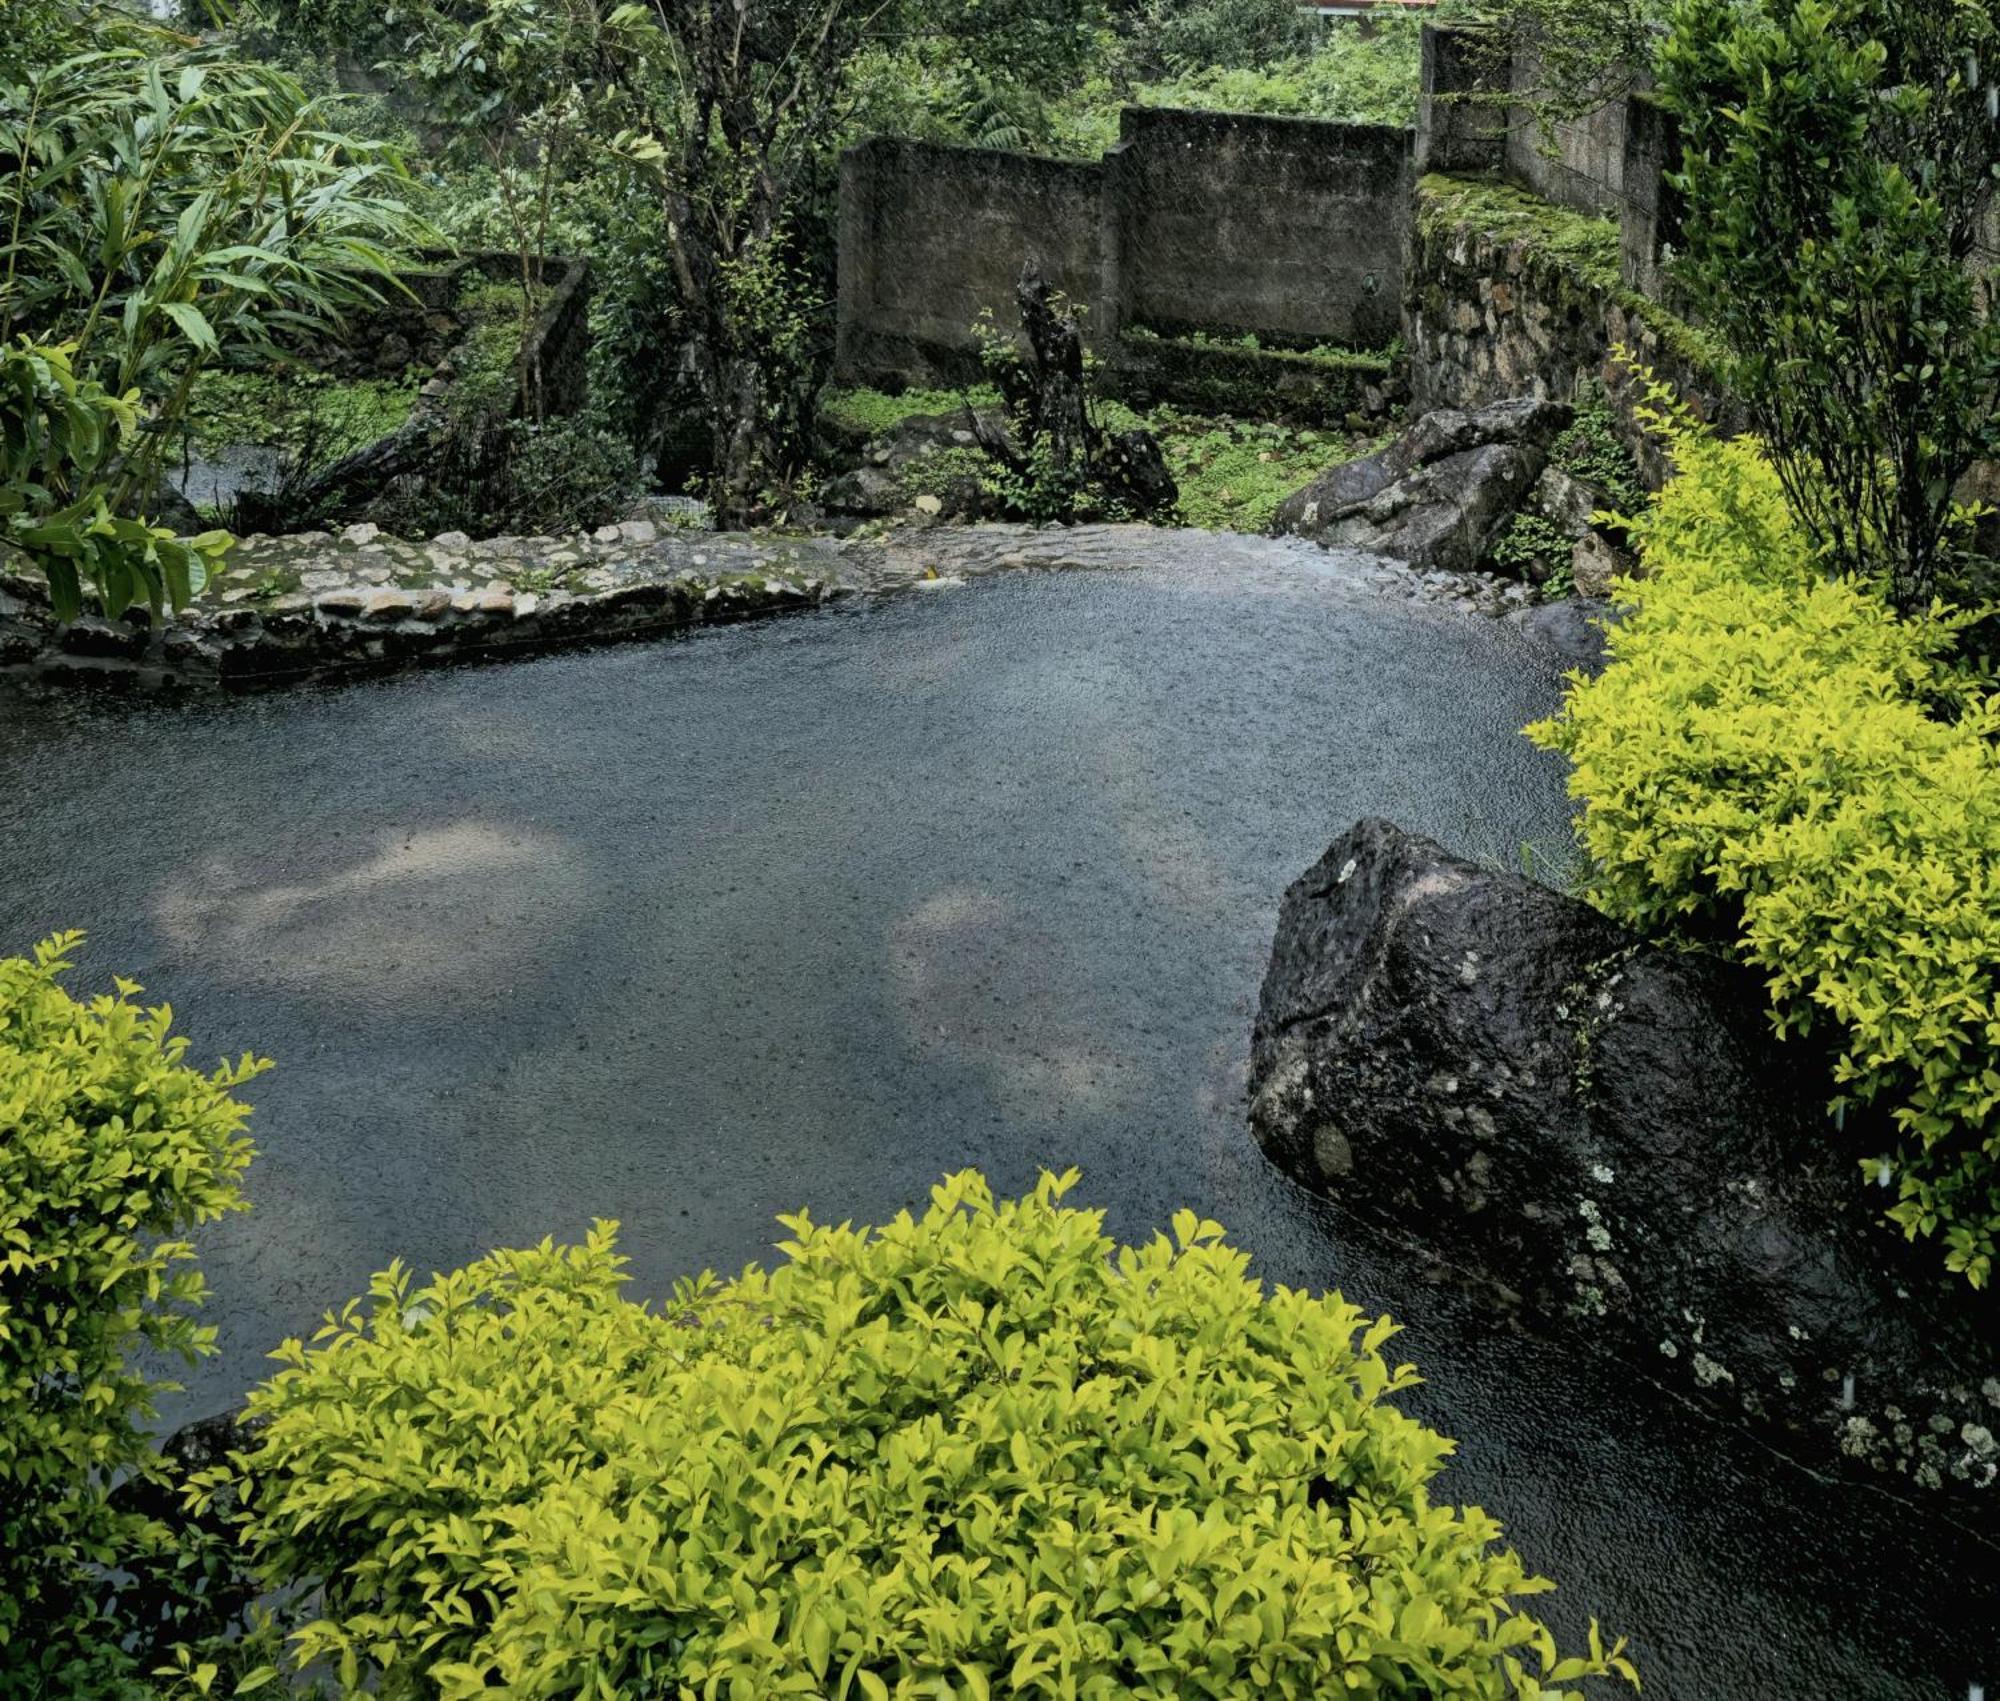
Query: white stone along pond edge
[318, 605]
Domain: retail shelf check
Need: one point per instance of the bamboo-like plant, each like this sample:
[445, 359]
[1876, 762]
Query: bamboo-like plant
[163, 202]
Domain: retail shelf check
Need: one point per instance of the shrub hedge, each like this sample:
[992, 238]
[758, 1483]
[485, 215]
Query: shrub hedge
[1777, 761]
[111, 1147]
[977, 1452]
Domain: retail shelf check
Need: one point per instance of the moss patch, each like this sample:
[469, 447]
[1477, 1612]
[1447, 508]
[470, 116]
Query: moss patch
[283, 407]
[1376, 362]
[1581, 243]
[1582, 246]
[873, 412]
[485, 372]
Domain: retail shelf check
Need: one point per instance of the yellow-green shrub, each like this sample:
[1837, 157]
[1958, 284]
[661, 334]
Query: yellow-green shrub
[111, 1148]
[981, 1452]
[1775, 760]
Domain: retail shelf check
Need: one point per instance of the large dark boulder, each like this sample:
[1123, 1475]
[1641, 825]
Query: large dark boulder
[1440, 494]
[1602, 1133]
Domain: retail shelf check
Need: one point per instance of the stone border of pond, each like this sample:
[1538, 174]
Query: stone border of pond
[317, 605]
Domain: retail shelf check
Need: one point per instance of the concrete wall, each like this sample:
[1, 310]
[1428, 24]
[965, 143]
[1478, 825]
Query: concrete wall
[931, 235]
[1292, 229]
[1581, 164]
[1288, 228]
[1474, 118]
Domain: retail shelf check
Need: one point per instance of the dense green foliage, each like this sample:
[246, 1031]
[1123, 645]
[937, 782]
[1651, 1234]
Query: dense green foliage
[727, 118]
[691, 149]
[1777, 762]
[981, 1451]
[62, 442]
[1239, 34]
[1178, 56]
[1838, 157]
[113, 1149]
[1334, 72]
[162, 203]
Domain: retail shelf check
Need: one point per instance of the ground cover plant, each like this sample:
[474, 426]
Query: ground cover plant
[1778, 764]
[269, 407]
[1590, 452]
[976, 1451]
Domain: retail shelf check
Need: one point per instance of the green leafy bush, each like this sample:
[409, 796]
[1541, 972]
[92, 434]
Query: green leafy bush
[977, 1452]
[570, 472]
[163, 204]
[1361, 79]
[111, 1148]
[1837, 166]
[1776, 761]
[61, 437]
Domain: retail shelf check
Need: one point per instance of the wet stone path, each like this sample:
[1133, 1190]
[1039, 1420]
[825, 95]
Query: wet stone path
[320, 604]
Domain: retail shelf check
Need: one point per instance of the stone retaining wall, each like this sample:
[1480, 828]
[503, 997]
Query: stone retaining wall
[287, 610]
[1487, 319]
[314, 606]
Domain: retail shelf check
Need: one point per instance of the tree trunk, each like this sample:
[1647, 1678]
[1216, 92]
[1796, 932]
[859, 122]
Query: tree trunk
[1059, 415]
[744, 450]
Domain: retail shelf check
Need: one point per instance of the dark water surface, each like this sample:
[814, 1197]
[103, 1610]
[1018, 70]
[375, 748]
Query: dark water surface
[691, 933]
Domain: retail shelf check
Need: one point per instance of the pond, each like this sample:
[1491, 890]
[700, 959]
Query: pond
[811, 912]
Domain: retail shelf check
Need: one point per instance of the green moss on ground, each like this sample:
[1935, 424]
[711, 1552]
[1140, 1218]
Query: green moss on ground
[1331, 356]
[282, 407]
[1591, 451]
[486, 361]
[876, 411]
[1232, 471]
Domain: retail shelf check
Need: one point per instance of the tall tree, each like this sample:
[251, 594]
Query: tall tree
[737, 107]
